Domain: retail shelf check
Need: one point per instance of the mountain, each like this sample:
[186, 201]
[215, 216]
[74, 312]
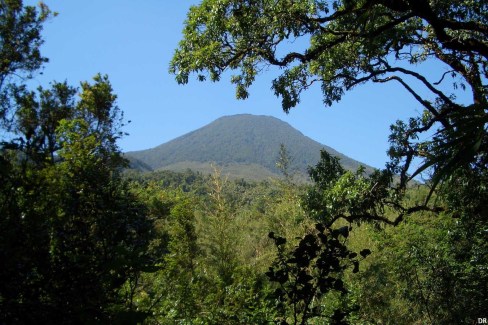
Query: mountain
[242, 145]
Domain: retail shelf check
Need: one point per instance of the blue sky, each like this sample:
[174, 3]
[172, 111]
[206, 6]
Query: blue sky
[133, 41]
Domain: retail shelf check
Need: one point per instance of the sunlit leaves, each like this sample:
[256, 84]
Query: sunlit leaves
[338, 193]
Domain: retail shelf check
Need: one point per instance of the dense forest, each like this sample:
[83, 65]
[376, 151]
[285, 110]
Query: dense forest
[84, 240]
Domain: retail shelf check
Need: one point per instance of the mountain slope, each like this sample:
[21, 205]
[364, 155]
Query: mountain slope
[237, 141]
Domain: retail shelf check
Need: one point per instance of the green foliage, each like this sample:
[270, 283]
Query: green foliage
[467, 196]
[218, 219]
[212, 270]
[404, 280]
[429, 268]
[187, 181]
[215, 274]
[20, 32]
[355, 197]
[20, 35]
[63, 195]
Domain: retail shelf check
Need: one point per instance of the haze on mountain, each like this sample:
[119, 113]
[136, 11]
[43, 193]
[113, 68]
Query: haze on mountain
[243, 146]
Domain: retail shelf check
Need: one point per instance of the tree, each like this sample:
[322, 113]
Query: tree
[220, 235]
[20, 35]
[284, 162]
[351, 43]
[71, 231]
[176, 291]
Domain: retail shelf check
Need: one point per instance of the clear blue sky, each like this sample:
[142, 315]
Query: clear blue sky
[133, 42]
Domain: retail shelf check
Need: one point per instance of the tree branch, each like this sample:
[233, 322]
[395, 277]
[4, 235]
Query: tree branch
[424, 103]
[394, 222]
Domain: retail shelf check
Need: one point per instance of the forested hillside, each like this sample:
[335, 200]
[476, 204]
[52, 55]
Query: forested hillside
[242, 145]
[85, 241]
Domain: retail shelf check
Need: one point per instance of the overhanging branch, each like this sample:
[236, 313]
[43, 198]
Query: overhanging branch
[424, 103]
[383, 219]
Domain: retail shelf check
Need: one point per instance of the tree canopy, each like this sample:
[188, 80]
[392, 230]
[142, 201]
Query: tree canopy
[20, 34]
[71, 232]
[343, 44]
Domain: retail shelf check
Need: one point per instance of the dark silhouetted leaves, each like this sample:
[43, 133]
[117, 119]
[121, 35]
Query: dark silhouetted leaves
[312, 269]
[365, 252]
[356, 267]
